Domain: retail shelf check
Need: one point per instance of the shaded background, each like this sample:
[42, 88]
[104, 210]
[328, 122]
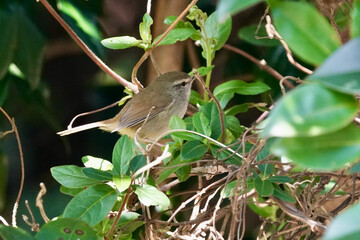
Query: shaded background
[71, 84]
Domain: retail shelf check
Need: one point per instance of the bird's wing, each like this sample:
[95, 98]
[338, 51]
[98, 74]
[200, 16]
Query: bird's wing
[139, 112]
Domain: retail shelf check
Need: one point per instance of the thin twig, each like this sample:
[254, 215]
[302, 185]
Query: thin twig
[39, 202]
[34, 226]
[221, 113]
[148, 52]
[91, 112]
[133, 87]
[14, 129]
[3, 220]
[158, 161]
[261, 63]
[281, 83]
[272, 33]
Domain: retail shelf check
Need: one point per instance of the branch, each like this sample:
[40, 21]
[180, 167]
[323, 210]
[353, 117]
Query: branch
[262, 64]
[221, 113]
[148, 52]
[88, 51]
[14, 129]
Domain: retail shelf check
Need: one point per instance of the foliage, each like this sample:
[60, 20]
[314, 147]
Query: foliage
[272, 166]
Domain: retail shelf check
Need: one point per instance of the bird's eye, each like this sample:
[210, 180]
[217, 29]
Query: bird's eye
[183, 84]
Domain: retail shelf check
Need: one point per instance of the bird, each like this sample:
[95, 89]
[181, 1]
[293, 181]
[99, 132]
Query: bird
[151, 109]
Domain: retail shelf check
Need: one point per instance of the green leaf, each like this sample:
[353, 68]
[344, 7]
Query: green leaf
[8, 26]
[202, 71]
[183, 173]
[241, 87]
[70, 191]
[129, 222]
[81, 20]
[11, 233]
[266, 169]
[355, 168]
[341, 71]
[224, 99]
[294, 21]
[345, 226]
[122, 42]
[144, 28]
[355, 16]
[151, 196]
[211, 112]
[263, 187]
[91, 205]
[236, 109]
[310, 110]
[218, 31]
[97, 174]
[280, 179]
[136, 163]
[66, 229]
[177, 123]
[324, 152]
[229, 189]
[124, 151]
[97, 163]
[71, 176]
[170, 169]
[30, 49]
[260, 38]
[201, 123]
[175, 35]
[193, 150]
[230, 7]
[196, 98]
[233, 124]
[281, 194]
[122, 183]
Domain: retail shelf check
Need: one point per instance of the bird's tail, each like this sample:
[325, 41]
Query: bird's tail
[81, 128]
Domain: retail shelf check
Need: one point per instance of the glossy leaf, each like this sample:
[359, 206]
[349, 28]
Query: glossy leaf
[97, 163]
[216, 31]
[70, 191]
[151, 196]
[30, 49]
[202, 71]
[224, 99]
[281, 194]
[345, 226]
[263, 187]
[259, 38]
[122, 42]
[234, 110]
[201, 123]
[183, 173]
[325, 152]
[211, 112]
[193, 150]
[8, 26]
[129, 222]
[97, 174]
[355, 16]
[71, 176]
[233, 124]
[177, 123]
[124, 151]
[229, 189]
[66, 229]
[170, 169]
[175, 35]
[294, 21]
[136, 163]
[341, 71]
[11, 233]
[81, 20]
[144, 28]
[91, 205]
[241, 87]
[310, 110]
[280, 179]
[122, 183]
[230, 7]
